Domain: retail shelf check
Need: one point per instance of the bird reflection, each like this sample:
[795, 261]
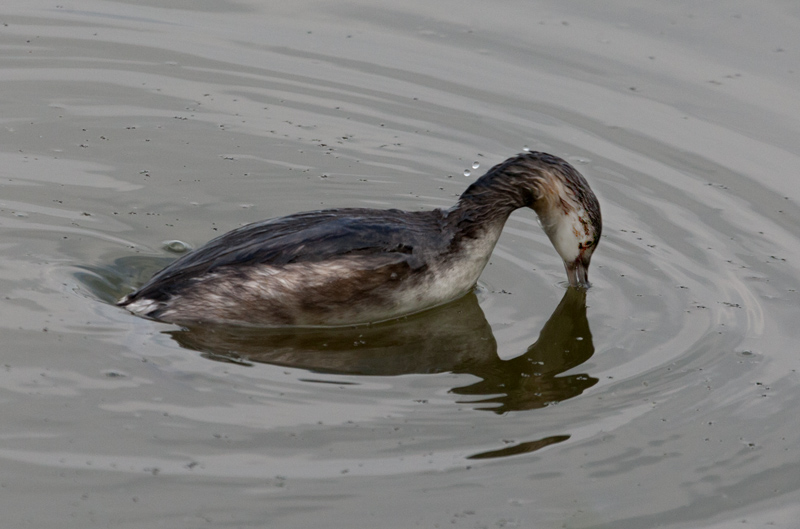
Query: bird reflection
[455, 338]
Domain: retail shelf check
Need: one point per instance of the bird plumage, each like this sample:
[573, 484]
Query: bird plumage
[357, 265]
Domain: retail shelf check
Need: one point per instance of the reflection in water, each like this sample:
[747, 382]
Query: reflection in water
[521, 448]
[454, 338]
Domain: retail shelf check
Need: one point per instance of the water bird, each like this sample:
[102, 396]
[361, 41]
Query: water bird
[353, 266]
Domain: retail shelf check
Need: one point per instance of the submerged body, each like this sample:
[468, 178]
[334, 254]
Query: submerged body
[351, 266]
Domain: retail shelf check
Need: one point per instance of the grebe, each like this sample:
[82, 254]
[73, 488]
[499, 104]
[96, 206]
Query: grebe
[353, 266]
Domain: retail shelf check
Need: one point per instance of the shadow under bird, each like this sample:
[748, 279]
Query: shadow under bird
[355, 265]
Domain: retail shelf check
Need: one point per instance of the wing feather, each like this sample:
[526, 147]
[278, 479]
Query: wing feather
[305, 237]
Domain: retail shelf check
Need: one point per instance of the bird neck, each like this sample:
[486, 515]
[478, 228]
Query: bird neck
[486, 204]
[499, 189]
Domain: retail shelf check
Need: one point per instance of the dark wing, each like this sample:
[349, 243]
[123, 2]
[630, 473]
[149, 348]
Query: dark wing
[306, 237]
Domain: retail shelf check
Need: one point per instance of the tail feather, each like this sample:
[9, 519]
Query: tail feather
[141, 306]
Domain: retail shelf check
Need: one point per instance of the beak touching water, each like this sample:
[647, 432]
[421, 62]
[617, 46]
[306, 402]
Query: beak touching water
[578, 273]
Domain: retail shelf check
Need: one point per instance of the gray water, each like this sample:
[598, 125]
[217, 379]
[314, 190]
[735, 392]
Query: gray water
[666, 398]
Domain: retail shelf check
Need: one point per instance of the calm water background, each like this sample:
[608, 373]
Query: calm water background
[671, 401]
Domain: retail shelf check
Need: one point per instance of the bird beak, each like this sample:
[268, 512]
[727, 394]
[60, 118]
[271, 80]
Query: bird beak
[578, 273]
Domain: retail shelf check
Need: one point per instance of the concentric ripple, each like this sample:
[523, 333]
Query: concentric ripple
[664, 396]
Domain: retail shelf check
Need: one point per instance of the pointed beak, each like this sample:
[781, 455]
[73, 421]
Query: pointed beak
[578, 273]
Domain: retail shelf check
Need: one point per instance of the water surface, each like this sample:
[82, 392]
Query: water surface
[664, 397]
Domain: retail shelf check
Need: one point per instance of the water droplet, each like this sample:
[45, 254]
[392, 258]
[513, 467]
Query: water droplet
[176, 246]
[475, 165]
[526, 149]
[467, 172]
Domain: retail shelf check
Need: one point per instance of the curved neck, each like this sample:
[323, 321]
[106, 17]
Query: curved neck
[487, 203]
[500, 189]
